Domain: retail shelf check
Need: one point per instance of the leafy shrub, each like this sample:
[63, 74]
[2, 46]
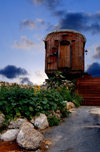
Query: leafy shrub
[77, 100]
[53, 121]
[22, 102]
[16, 101]
[66, 94]
[27, 102]
[56, 80]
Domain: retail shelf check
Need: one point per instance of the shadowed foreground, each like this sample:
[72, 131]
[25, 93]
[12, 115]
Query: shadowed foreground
[79, 133]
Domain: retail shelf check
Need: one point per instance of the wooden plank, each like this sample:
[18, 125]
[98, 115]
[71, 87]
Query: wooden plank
[64, 56]
[52, 59]
[89, 89]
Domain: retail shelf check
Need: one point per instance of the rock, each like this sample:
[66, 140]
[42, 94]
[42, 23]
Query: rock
[16, 123]
[41, 121]
[30, 151]
[38, 150]
[57, 113]
[45, 145]
[95, 111]
[33, 120]
[2, 119]
[9, 135]
[47, 142]
[28, 137]
[69, 105]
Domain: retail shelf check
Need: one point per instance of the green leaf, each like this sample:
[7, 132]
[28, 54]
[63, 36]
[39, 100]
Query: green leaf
[31, 109]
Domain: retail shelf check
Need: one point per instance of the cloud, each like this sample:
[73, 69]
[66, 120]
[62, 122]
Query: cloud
[94, 69]
[25, 44]
[30, 25]
[59, 13]
[38, 2]
[39, 77]
[51, 4]
[25, 80]
[12, 71]
[41, 21]
[79, 21]
[97, 54]
[39, 73]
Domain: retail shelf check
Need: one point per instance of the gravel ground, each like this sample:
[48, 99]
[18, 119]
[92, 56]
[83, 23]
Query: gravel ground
[78, 133]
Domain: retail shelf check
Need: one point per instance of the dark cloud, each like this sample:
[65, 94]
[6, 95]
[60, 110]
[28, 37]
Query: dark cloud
[12, 71]
[73, 21]
[94, 70]
[97, 53]
[59, 13]
[25, 80]
[79, 21]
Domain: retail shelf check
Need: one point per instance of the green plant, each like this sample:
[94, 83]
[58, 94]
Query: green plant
[53, 121]
[66, 94]
[23, 102]
[56, 80]
[18, 102]
[77, 100]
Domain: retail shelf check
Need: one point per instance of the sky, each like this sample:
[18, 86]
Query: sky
[24, 25]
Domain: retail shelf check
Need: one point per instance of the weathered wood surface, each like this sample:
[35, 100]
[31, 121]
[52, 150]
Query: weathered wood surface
[64, 50]
[64, 56]
[89, 89]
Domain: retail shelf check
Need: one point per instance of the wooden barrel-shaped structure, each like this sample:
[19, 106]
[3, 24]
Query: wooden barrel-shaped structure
[64, 51]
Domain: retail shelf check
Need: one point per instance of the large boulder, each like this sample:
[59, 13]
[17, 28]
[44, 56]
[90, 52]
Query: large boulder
[9, 135]
[16, 124]
[2, 119]
[28, 137]
[40, 122]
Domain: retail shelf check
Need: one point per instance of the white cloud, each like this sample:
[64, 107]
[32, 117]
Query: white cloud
[97, 53]
[39, 77]
[39, 73]
[41, 21]
[24, 44]
[30, 25]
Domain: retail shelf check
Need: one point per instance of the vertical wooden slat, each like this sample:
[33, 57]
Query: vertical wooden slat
[68, 56]
[64, 56]
[89, 89]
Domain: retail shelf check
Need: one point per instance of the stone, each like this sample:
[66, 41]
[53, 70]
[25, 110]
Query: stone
[28, 137]
[69, 105]
[2, 119]
[47, 142]
[32, 120]
[95, 111]
[41, 121]
[58, 114]
[29, 151]
[16, 124]
[9, 135]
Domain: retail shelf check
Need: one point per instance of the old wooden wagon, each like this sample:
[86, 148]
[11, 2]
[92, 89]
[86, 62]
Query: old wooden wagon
[64, 51]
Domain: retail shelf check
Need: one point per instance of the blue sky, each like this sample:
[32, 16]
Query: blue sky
[24, 25]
